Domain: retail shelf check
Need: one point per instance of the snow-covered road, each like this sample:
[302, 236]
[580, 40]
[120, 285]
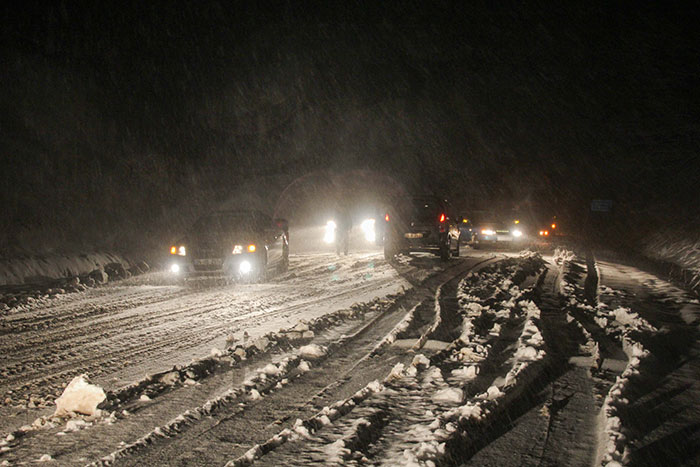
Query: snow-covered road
[126, 330]
[490, 359]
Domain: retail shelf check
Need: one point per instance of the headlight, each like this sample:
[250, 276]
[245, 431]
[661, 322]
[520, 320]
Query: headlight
[487, 232]
[367, 227]
[517, 233]
[237, 250]
[245, 267]
[175, 250]
[329, 235]
[175, 268]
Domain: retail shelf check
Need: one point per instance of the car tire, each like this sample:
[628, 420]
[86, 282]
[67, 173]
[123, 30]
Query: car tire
[445, 251]
[455, 252]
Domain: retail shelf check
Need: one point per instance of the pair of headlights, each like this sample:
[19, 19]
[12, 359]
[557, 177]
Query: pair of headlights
[367, 227]
[516, 233]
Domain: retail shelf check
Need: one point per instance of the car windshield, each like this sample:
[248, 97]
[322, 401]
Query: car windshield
[239, 222]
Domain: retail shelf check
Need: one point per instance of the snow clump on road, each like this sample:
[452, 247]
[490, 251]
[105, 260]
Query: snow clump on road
[312, 351]
[79, 397]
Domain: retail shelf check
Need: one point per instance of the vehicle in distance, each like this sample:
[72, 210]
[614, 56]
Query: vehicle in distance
[422, 223]
[499, 233]
[244, 245]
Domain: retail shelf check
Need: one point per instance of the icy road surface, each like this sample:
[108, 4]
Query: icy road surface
[126, 330]
[493, 358]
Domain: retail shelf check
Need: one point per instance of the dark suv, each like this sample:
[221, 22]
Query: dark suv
[422, 223]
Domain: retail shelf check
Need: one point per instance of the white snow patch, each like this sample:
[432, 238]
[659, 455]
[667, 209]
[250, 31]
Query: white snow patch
[312, 351]
[79, 397]
[420, 360]
[304, 366]
[466, 373]
[271, 370]
[448, 395]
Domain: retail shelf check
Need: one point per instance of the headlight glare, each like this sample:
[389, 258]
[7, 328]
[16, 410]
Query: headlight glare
[237, 250]
[245, 267]
[517, 233]
[367, 227]
[329, 235]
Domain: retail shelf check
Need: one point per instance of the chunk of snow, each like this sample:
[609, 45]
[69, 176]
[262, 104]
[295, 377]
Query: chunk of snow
[420, 360]
[79, 397]
[216, 352]
[466, 373]
[336, 452]
[493, 393]
[255, 395]
[144, 398]
[45, 458]
[526, 353]
[304, 366]
[433, 375]
[170, 378]
[396, 372]
[470, 411]
[448, 395]
[271, 370]
[75, 425]
[312, 351]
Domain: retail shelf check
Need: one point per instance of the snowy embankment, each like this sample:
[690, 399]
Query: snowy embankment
[28, 281]
[432, 402]
[626, 328]
[680, 250]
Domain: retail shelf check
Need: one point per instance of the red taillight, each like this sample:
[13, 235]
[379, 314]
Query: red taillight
[386, 217]
[554, 226]
[173, 250]
[442, 217]
[546, 232]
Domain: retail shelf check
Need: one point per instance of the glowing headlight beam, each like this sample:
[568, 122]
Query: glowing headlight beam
[245, 267]
[329, 235]
[487, 232]
[517, 233]
[175, 268]
[367, 227]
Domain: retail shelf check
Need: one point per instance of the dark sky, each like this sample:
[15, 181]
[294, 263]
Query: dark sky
[553, 104]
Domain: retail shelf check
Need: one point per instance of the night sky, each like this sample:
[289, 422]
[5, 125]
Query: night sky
[120, 125]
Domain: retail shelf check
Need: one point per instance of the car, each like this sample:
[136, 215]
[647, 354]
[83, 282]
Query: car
[421, 223]
[243, 245]
[497, 233]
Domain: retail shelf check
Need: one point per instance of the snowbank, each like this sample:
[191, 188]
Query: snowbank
[40, 269]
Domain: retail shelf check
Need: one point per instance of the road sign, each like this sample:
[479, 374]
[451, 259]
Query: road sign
[601, 205]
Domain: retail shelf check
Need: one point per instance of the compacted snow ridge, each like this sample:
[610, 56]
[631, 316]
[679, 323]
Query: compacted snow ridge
[252, 389]
[625, 327]
[401, 327]
[304, 428]
[423, 442]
